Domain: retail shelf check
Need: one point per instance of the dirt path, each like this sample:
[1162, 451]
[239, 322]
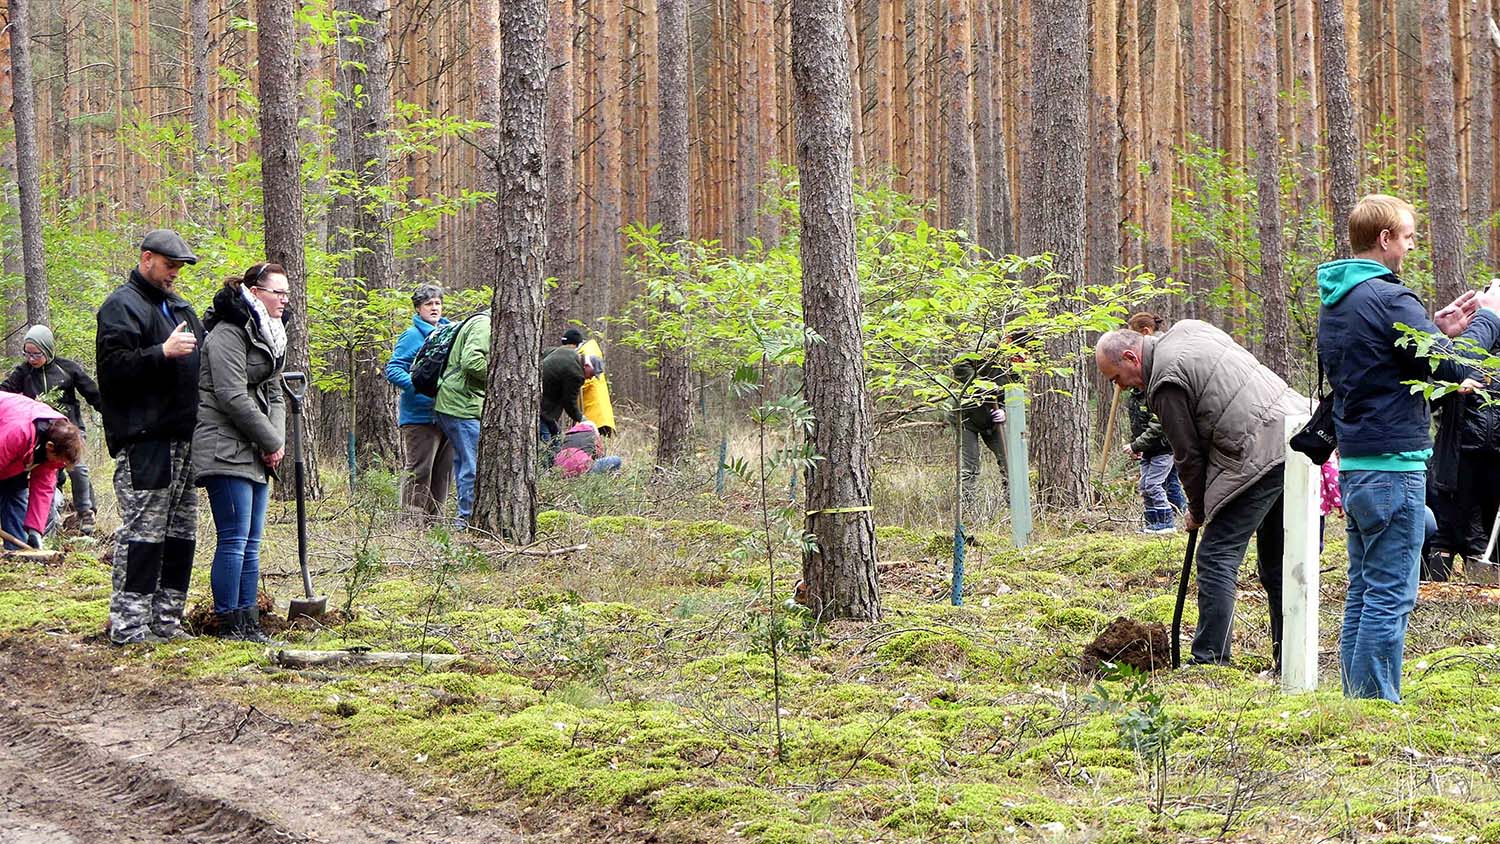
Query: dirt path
[85, 759]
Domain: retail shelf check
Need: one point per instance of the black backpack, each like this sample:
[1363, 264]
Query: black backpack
[432, 359]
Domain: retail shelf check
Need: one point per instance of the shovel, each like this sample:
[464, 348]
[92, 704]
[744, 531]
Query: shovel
[1182, 584]
[1488, 565]
[310, 605]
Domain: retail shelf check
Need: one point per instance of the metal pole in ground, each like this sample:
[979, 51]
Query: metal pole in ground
[1299, 578]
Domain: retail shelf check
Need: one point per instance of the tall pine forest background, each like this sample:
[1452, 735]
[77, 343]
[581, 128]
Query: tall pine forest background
[1215, 134]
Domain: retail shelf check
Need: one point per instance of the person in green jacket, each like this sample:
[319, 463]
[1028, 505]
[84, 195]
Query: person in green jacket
[460, 403]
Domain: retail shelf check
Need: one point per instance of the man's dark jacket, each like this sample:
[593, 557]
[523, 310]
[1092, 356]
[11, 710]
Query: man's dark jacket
[1374, 411]
[60, 375]
[562, 379]
[145, 396]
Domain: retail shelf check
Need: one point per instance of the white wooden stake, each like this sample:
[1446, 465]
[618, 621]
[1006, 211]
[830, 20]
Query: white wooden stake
[1299, 574]
[1018, 464]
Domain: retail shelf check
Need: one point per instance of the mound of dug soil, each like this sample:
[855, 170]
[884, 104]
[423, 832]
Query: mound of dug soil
[202, 621]
[1134, 643]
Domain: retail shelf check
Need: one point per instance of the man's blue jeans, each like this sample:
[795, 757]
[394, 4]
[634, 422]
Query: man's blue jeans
[239, 508]
[1387, 517]
[464, 436]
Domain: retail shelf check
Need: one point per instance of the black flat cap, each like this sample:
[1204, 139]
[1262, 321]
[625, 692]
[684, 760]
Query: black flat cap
[168, 244]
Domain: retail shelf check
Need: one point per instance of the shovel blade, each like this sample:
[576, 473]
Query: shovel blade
[310, 607]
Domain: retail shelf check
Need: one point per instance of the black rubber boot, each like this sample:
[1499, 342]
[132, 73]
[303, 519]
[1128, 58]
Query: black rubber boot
[1437, 566]
[250, 627]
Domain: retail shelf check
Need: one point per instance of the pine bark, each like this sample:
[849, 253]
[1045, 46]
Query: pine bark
[201, 46]
[1264, 129]
[281, 184]
[28, 166]
[9, 214]
[984, 127]
[374, 257]
[1481, 126]
[1132, 117]
[486, 23]
[1342, 140]
[1443, 201]
[1161, 134]
[1309, 188]
[561, 260]
[958, 209]
[840, 571]
[506, 485]
[1055, 224]
[672, 202]
[1104, 160]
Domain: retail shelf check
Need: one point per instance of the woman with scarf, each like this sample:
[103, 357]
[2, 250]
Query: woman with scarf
[240, 438]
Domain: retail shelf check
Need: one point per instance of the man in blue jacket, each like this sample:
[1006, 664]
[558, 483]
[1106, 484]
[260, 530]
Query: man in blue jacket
[1384, 431]
[429, 455]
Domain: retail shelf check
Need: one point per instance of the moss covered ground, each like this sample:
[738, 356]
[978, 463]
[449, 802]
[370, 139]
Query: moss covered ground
[637, 674]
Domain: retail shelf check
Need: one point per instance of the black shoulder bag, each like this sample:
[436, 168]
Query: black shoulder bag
[1317, 439]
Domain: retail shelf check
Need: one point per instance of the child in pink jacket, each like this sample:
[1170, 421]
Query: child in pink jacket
[35, 442]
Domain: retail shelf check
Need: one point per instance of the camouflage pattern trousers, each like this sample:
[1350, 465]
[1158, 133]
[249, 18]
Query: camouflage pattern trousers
[158, 503]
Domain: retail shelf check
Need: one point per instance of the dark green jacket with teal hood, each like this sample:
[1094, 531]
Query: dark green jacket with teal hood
[1375, 413]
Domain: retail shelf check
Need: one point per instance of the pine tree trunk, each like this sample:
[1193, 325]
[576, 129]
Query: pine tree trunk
[506, 486]
[1104, 160]
[1132, 119]
[1161, 133]
[1481, 126]
[672, 202]
[840, 572]
[374, 260]
[1059, 129]
[281, 184]
[1263, 127]
[9, 214]
[604, 251]
[1309, 189]
[1443, 201]
[28, 166]
[486, 22]
[1342, 142]
[958, 209]
[1005, 135]
[984, 127]
[201, 46]
[562, 184]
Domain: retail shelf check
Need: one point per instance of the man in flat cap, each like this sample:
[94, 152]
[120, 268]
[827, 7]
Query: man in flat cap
[147, 348]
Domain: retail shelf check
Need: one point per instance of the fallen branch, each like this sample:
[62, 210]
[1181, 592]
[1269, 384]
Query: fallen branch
[376, 659]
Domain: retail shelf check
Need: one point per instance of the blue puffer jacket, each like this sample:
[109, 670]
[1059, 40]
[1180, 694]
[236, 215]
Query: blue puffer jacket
[1374, 412]
[416, 409]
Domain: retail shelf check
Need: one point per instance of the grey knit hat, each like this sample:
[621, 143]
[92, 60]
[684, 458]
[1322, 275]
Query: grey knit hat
[41, 337]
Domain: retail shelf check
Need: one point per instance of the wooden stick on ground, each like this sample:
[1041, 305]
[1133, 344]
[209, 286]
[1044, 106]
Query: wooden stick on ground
[287, 658]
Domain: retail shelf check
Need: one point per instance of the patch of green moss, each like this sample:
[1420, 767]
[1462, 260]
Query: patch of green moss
[607, 525]
[555, 522]
[927, 648]
[46, 610]
[1078, 620]
[707, 530]
[682, 801]
[1160, 608]
[483, 622]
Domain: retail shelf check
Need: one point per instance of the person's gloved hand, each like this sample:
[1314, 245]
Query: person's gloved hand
[998, 415]
[34, 539]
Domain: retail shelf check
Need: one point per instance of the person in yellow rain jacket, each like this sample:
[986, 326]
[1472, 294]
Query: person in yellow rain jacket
[595, 395]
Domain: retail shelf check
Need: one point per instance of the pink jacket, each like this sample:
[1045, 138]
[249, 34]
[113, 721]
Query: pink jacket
[18, 415]
[1332, 498]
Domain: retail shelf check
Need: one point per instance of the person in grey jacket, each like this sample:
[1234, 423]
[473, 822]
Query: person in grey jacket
[241, 433]
[1223, 413]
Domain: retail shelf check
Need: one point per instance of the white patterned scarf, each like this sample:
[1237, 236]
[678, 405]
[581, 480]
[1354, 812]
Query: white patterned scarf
[272, 332]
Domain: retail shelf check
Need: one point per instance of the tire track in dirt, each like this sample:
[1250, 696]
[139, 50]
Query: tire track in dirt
[61, 787]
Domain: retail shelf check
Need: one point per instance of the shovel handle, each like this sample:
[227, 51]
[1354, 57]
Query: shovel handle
[296, 388]
[1182, 582]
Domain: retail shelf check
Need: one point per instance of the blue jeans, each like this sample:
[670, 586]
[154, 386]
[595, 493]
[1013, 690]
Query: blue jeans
[1387, 517]
[14, 494]
[1160, 489]
[239, 508]
[606, 465]
[463, 434]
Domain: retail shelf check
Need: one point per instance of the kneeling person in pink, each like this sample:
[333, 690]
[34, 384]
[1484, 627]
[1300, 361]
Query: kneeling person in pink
[582, 452]
[35, 442]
